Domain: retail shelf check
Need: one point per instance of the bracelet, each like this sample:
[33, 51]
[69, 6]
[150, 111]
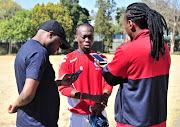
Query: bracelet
[81, 97]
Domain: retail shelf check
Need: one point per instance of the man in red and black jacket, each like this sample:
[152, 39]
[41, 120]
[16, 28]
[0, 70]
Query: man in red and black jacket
[141, 67]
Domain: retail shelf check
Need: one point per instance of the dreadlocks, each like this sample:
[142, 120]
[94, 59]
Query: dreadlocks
[147, 18]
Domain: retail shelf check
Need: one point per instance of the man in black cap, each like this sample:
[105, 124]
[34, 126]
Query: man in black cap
[38, 102]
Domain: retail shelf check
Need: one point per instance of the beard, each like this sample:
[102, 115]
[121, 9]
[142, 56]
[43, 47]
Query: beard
[87, 50]
[50, 50]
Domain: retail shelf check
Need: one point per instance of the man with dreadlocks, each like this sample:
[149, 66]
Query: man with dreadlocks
[141, 67]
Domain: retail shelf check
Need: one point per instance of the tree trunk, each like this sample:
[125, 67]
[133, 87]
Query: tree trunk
[10, 47]
[173, 39]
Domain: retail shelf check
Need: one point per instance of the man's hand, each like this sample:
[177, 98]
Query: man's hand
[128, 39]
[26, 96]
[66, 80]
[102, 99]
[12, 108]
[102, 66]
[97, 108]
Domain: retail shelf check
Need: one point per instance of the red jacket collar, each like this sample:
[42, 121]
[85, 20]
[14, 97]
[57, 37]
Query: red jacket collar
[143, 32]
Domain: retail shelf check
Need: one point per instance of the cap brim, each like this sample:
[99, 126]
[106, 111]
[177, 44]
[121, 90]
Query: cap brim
[65, 45]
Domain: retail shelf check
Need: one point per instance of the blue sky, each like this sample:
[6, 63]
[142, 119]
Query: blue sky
[88, 4]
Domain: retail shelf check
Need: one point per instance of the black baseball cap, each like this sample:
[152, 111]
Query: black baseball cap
[56, 27]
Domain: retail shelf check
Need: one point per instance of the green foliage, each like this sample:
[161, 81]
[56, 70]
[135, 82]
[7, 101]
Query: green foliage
[15, 23]
[103, 21]
[78, 14]
[120, 13]
[5, 30]
[18, 28]
[3, 51]
[8, 9]
[119, 18]
[22, 25]
[66, 2]
[42, 13]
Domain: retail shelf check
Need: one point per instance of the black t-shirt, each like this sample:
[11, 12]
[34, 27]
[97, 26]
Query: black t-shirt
[32, 61]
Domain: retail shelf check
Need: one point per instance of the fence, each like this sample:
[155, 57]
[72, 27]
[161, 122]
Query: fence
[10, 48]
[98, 46]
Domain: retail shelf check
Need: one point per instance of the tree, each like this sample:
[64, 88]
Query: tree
[174, 22]
[103, 21]
[18, 28]
[79, 15]
[5, 30]
[66, 2]
[119, 18]
[8, 9]
[170, 9]
[42, 13]
[22, 25]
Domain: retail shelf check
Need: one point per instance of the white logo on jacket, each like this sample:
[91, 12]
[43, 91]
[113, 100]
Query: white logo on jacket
[73, 60]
